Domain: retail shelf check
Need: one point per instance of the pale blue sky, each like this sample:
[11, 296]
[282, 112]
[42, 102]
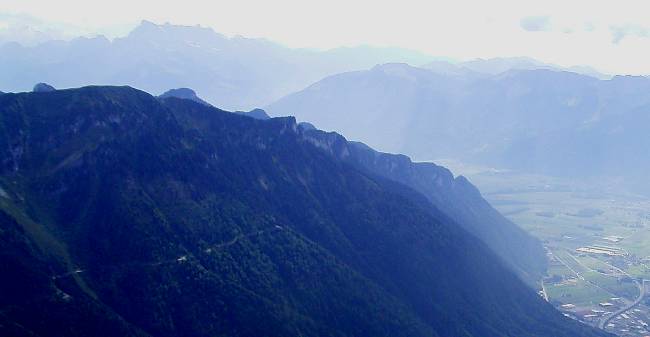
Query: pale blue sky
[612, 36]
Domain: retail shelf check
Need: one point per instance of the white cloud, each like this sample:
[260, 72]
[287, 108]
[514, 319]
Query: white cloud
[620, 32]
[536, 23]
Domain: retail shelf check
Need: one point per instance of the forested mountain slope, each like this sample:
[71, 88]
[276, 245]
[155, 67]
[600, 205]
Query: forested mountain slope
[124, 214]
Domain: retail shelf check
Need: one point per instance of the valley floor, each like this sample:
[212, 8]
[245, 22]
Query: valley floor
[597, 239]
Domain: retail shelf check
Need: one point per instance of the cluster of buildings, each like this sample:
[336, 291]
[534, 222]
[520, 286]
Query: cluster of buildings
[602, 250]
[630, 324]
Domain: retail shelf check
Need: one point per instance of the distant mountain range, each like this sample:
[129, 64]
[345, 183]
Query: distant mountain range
[125, 214]
[236, 73]
[543, 121]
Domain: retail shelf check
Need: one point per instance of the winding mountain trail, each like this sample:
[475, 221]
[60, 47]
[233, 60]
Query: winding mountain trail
[179, 259]
[241, 236]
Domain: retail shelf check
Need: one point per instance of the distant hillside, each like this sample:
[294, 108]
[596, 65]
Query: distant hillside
[127, 215]
[542, 121]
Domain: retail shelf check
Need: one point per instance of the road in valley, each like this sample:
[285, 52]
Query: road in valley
[607, 318]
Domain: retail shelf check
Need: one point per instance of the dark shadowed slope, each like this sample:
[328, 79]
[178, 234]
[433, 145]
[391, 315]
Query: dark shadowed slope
[456, 197]
[123, 214]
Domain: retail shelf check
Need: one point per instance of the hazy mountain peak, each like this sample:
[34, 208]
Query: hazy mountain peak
[255, 113]
[401, 70]
[147, 23]
[393, 66]
[167, 31]
[589, 71]
[501, 64]
[542, 77]
[451, 69]
[43, 87]
[306, 126]
[629, 77]
[442, 65]
[183, 93]
[259, 114]
[145, 28]
[498, 65]
[94, 40]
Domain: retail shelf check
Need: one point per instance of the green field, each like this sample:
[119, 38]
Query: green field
[567, 215]
[580, 294]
